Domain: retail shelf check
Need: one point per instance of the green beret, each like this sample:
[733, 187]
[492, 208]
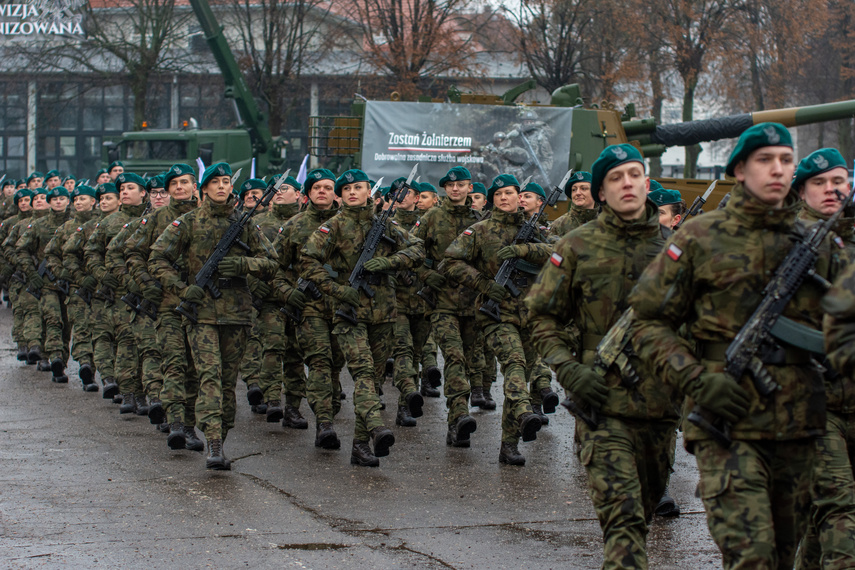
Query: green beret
[41, 190]
[129, 177]
[611, 157]
[106, 188]
[158, 181]
[83, 190]
[384, 190]
[536, 188]
[57, 192]
[758, 136]
[426, 187]
[316, 175]
[478, 188]
[102, 171]
[501, 181]
[23, 193]
[816, 163]
[349, 177]
[217, 169]
[252, 184]
[51, 174]
[662, 196]
[654, 186]
[114, 164]
[175, 171]
[456, 173]
[578, 176]
[8, 182]
[69, 177]
[35, 174]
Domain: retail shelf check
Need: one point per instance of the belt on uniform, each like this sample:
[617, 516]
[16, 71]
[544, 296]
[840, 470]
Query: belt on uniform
[783, 356]
[231, 283]
[591, 341]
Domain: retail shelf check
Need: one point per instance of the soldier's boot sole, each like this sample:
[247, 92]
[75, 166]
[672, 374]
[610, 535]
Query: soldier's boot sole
[156, 415]
[383, 439]
[62, 379]
[176, 439]
[434, 376]
[550, 402]
[87, 376]
[458, 436]
[57, 367]
[529, 426]
[414, 403]
[254, 395]
[667, 507]
[274, 413]
[110, 389]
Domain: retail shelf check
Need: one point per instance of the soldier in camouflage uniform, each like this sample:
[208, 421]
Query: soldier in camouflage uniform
[453, 323]
[586, 283]
[427, 197]
[472, 260]
[74, 261]
[76, 308]
[218, 338]
[368, 343]
[280, 363]
[478, 195]
[583, 208]
[9, 207]
[830, 538]
[30, 251]
[318, 347]
[16, 285]
[710, 278]
[28, 306]
[114, 327]
[180, 387]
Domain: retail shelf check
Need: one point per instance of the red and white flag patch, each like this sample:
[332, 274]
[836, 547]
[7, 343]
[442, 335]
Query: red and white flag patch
[556, 260]
[176, 223]
[417, 223]
[468, 232]
[839, 241]
[144, 220]
[674, 252]
[324, 230]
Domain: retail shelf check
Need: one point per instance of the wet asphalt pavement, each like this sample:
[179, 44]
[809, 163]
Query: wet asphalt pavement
[83, 487]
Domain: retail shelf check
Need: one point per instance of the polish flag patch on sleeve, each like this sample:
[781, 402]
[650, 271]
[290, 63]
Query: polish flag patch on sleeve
[674, 252]
[176, 223]
[417, 223]
[556, 260]
[324, 230]
[79, 229]
[468, 232]
[144, 220]
[839, 241]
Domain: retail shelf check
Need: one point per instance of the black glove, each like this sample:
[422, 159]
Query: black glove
[193, 294]
[110, 281]
[583, 383]
[297, 299]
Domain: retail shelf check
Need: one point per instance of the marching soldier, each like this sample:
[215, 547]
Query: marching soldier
[22, 199]
[671, 206]
[583, 207]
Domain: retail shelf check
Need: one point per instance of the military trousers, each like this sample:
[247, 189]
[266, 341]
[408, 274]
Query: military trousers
[81, 329]
[150, 364]
[127, 364]
[512, 347]
[56, 327]
[250, 369]
[627, 462]
[540, 378]
[829, 542]
[324, 359]
[457, 337]
[411, 333]
[429, 351]
[365, 347]
[280, 358]
[16, 288]
[180, 381]
[103, 339]
[31, 319]
[757, 497]
[217, 353]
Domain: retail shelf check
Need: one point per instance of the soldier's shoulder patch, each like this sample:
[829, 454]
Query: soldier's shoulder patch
[176, 223]
[281, 229]
[543, 228]
[468, 232]
[126, 225]
[674, 252]
[29, 226]
[143, 222]
[324, 230]
[394, 222]
[417, 223]
[98, 225]
[839, 241]
[79, 228]
[556, 260]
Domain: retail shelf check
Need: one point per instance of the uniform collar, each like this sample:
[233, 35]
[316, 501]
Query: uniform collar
[844, 226]
[133, 211]
[359, 213]
[756, 214]
[510, 218]
[321, 215]
[220, 210]
[85, 216]
[285, 211]
[647, 224]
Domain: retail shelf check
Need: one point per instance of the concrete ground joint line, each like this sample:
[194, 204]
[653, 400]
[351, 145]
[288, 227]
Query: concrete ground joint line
[403, 546]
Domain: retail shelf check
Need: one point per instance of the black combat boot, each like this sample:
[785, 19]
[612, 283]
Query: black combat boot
[164, 427]
[426, 390]
[142, 407]
[156, 415]
[34, 354]
[57, 366]
[326, 438]
[529, 426]
[460, 430]
[260, 409]
[415, 402]
[87, 377]
[550, 400]
[22, 352]
[292, 418]
[61, 379]
[538, 411]
[389, 371]
[192, 442]
[129, 404]
[476, 397]
[434, 376]
[404, 418]
[216, 460]
[110, 388]
[360, 454]
[383, 439]
[177, 438]
[43, 365]
[667, 506]
[254, 395]
[118, 398]
[274, 411]
[489, 402]
[510, 455]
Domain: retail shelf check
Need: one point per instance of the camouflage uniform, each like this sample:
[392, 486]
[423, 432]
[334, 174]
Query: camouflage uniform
[710, 277]
[574, 218]
[586, 283]
[471, 261]
[76, 308]
[180, 381]
[366, 345]
[829, 541]
[31, 315]
[113, 329]
[15, 285]
[218, 339]
[453, 322]
[319, 348]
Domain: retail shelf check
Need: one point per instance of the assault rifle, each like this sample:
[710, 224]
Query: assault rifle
[359, 277]
[696, 206]
[526, 234]
[205, 277]
[44, 272]
[756, 336]
[308, 288]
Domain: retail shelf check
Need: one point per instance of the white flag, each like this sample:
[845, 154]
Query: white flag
[252, 168]
[201, 167]
[301, 174]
